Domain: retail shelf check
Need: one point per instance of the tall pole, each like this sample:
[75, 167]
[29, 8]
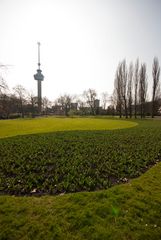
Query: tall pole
[38, 54]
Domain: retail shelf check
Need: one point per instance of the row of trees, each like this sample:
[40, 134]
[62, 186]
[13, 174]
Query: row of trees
[20, 102]
[84, 104]
[130, 97]
[131, 88]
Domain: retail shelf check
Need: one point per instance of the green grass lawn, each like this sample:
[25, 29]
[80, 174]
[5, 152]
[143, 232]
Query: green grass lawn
[10, 128]
[125, 212]
[82, 161]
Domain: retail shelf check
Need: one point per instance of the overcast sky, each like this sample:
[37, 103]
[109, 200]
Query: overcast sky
[82, 41]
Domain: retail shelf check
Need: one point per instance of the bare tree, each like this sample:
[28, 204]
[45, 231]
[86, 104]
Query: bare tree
[32, 101]
[4, 105]
[117, 96]
[113, 102]
[90, 96]
[105, 99]
[121, 88]
[136, 82]
[4, 98]
[20, 92]
[3, 85]
[82, 105]
[123, 74]
[129, 92]
[143, 86]
[156, 75]
[65, 102]
[46, 104]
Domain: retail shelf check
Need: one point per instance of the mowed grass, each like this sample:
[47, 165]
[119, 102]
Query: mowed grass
[10, 128]
[130, 211]
[125, 212]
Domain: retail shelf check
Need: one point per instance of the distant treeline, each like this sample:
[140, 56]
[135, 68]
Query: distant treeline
[129, 98]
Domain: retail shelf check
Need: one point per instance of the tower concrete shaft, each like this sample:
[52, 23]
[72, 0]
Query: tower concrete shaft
[39, 95]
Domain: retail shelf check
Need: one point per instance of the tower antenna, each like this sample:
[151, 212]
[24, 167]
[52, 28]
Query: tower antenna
[38, 54]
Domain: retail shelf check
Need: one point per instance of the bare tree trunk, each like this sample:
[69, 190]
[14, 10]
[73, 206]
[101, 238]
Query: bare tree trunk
[90, 96]
[22, 108]
[136, 81]
[123, 74]
[129, 94]
[142, 89]
[20, 92]
[117, 90]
